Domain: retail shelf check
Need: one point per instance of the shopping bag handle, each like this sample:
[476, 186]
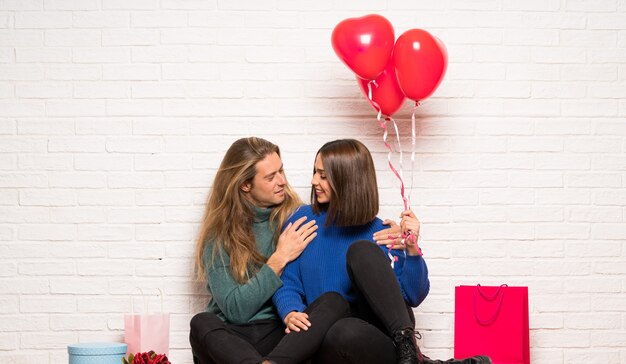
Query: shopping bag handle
[145, 302]
[492, 319]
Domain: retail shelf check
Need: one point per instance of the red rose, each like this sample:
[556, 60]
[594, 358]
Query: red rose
[147, 358]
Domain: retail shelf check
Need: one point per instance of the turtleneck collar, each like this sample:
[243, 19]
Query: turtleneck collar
[262, 214]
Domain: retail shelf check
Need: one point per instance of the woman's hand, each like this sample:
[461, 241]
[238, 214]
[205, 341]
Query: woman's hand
[410, 228]
[409, 222]
[296, 321]
[390, 237]
[291, 243]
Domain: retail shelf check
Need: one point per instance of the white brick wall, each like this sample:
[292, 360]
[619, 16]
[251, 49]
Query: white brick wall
[115, 114]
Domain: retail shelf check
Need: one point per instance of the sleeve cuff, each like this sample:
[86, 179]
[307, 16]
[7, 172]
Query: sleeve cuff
[284, 310]
[272, 278]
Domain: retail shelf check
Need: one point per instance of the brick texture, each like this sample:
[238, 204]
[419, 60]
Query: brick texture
[114, 116]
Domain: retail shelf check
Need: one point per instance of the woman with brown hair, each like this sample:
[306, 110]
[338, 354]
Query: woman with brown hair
[342, 258]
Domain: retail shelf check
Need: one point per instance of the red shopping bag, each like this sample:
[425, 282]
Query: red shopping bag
[147, 331]
[492, 321]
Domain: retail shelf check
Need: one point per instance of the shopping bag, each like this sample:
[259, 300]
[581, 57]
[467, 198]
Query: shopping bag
[492, 321]
[147, 331]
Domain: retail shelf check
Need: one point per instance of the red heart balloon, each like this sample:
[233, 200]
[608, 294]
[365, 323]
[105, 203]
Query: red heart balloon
[364, 44]
[420, 61]
[388, 95]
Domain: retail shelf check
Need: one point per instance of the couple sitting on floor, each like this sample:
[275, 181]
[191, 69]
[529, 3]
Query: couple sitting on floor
[342, 281]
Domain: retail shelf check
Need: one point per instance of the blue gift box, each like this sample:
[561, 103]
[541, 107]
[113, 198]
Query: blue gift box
[96, 353]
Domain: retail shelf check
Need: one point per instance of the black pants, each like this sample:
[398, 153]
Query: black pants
[214, 341]
[379, 311]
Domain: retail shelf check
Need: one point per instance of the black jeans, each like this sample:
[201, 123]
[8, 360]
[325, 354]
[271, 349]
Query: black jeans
[214, 341]
[379, 311]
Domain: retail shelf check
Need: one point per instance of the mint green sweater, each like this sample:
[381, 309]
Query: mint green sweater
[241, 303]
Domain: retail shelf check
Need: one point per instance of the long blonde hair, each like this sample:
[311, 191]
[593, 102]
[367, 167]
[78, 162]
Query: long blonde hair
[228, 216]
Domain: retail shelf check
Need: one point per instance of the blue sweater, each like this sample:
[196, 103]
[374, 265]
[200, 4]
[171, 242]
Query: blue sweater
[321, 267]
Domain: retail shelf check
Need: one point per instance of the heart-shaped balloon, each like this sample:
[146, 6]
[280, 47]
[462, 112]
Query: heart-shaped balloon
[386, 92]
[364, 44]
[420, 60]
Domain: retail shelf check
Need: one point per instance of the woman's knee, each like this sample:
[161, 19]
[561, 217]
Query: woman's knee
[363, 250]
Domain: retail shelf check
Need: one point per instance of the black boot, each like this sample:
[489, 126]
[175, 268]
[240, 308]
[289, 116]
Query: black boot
[407, 351]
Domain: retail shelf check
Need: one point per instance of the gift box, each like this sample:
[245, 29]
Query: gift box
[96, 353]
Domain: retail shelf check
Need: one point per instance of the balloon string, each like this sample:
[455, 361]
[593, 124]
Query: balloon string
[383, 124]
[369, 92]
[395, 126]
[413, 139]
[405, 201]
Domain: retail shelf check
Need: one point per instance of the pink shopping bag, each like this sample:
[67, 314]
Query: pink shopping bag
[492, 321]
[147, 331]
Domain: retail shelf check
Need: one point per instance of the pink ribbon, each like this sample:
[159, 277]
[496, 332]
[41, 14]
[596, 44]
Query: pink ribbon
[383, 124]
[409, 238]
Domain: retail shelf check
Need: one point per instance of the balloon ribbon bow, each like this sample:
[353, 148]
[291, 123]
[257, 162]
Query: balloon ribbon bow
[408, 238]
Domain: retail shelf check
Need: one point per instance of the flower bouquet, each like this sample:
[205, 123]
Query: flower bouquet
[146, 358]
